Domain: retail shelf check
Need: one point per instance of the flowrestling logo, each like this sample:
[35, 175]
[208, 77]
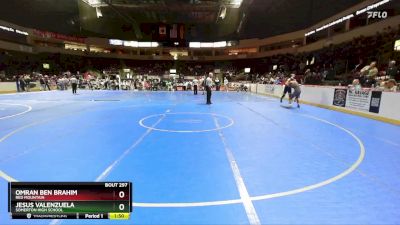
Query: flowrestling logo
[377, 14]
[367, 9]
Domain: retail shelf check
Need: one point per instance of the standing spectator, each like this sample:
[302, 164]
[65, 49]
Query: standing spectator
[195, 85]
[226, 83]
[22, 83]
[106, 83]
[27, 82]
[392, 70]
[331, 73]
[42, 83]
[60, 83]
[65, 81]
[116, 83]
[17, 78]
[74, 84]
[217, 84]
[89, 83]
[203, 83]
[47, 82]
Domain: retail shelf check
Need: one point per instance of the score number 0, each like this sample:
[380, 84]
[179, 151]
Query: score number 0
[121, 206]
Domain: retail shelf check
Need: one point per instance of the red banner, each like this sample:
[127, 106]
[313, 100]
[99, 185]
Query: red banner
[48, 34]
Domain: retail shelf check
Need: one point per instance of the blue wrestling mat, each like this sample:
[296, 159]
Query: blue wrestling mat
[242, 160]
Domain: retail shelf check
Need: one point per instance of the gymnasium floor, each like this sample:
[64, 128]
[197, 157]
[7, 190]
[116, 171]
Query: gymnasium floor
[243, 160]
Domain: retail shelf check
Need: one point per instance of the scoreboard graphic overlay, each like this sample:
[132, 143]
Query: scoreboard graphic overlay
[70, 200]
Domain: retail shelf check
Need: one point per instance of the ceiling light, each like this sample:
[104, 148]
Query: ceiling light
[98, 12]
[236, 3]
[223, 12]
[94, 3]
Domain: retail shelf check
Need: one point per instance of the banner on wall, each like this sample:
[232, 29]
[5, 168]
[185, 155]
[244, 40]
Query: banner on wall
[339, 97]
[375, 101]
[48, 34]
[360, 100]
